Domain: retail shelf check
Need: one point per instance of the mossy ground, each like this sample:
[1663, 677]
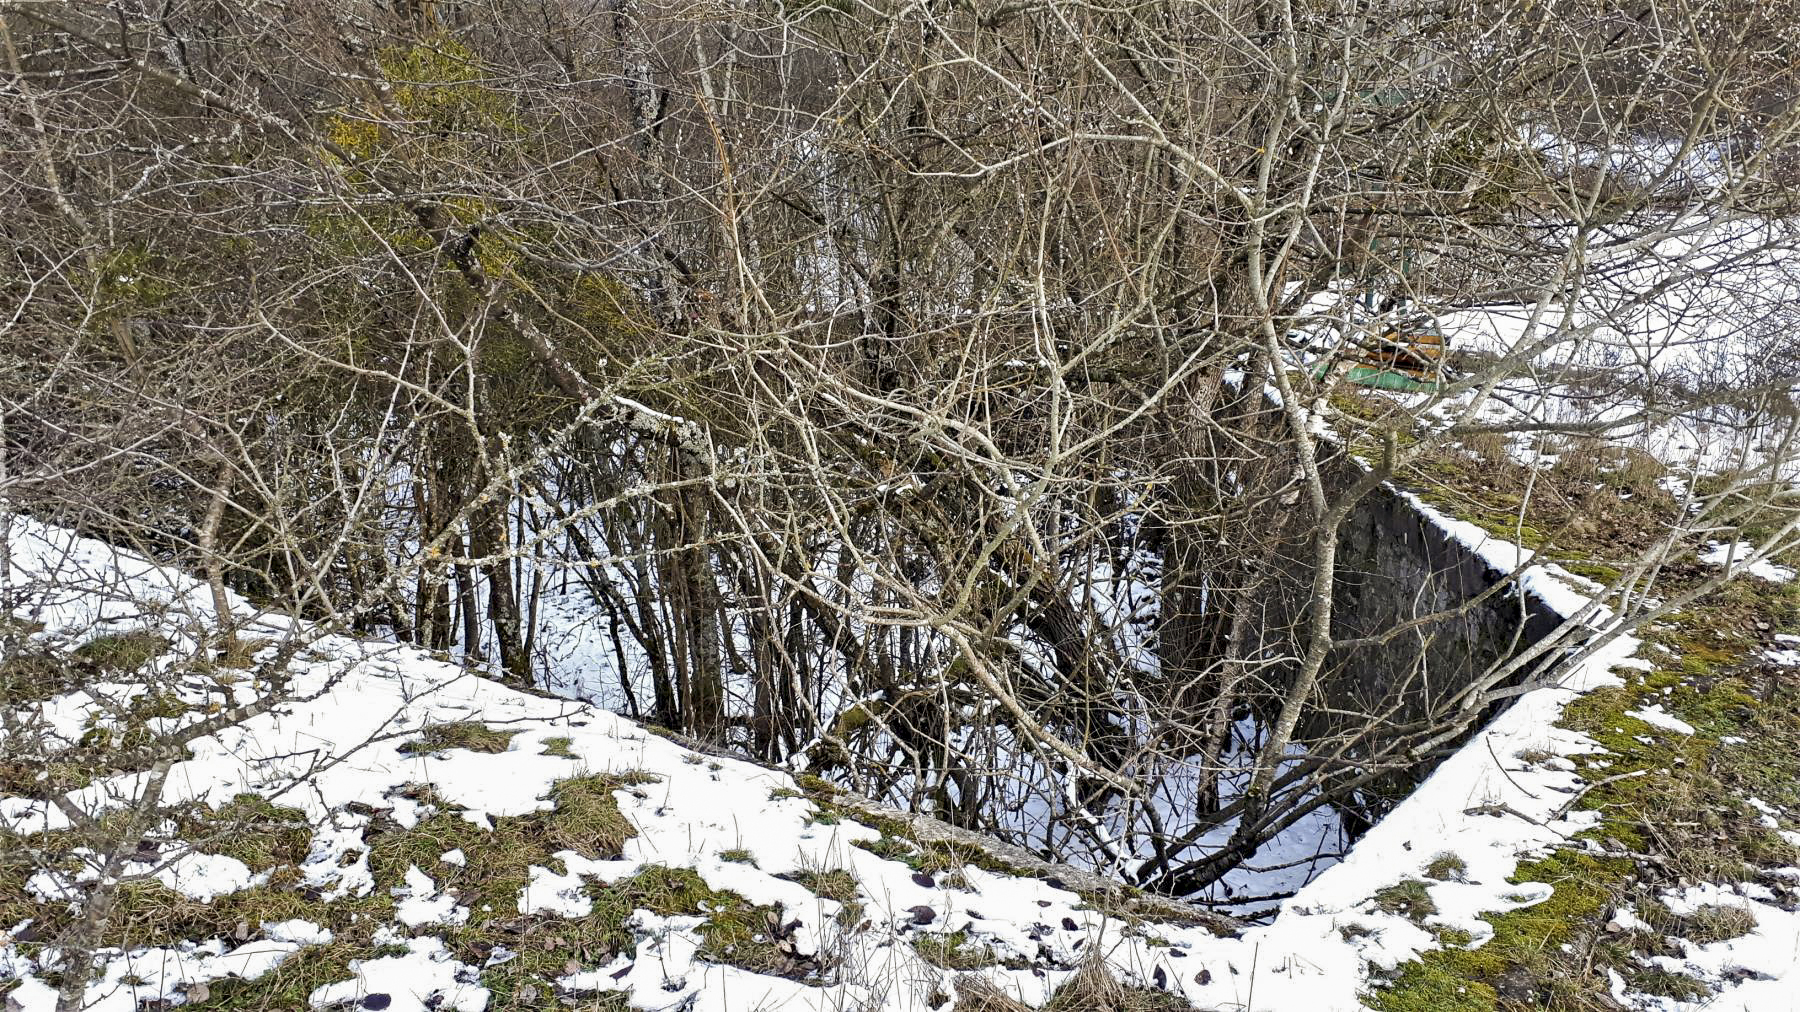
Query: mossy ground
[585, 818]
[1678, 818]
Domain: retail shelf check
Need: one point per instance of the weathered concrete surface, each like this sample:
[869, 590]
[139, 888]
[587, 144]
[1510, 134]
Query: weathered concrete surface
[1394, 567]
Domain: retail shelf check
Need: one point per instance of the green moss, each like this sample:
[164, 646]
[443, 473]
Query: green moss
[1598, 572]
[135, 279]
[1525, 946]
[559, 747]
[1428, 985]
[441, 82]
[1679, 806]
[896, 843]
[890, 848]
[1678, 799]
[1454, 938]
[1582, 886]
[738, 855]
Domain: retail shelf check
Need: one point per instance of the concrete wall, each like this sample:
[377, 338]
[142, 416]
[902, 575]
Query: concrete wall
[1395, 566]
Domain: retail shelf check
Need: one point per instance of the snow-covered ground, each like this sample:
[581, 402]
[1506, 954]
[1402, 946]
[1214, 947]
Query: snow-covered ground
[336, 751]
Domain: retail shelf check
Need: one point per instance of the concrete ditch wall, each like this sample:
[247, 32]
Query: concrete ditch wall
[1396, 565]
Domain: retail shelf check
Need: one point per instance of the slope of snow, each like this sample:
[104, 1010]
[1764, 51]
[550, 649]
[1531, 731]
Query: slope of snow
[335, 751]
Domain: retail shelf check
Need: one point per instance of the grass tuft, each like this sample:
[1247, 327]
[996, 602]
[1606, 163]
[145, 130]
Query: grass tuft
[1717, 922]
[1446, 867]
[122, 652]
[1410, 899]
[475, 737]
[953, 951]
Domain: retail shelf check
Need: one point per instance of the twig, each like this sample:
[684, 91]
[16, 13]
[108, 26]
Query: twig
[1569, 805]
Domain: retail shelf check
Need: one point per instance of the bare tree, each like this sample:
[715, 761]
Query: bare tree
[967, 403]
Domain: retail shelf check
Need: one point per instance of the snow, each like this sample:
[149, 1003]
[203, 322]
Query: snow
[666, 972]
[297, 930]
[1742, 556]
[562, 894]
[1656, 716]
[1756, 970]
[204, 877]
[421, 903]
[339, 744]
[425, 978]
[150, 974]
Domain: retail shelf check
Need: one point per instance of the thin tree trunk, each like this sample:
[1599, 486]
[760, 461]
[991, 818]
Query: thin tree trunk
[215, 567]
[493, 547]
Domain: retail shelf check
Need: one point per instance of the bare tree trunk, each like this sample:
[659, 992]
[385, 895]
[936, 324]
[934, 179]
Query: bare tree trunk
[468, 604]
[493, 545]
[214, 561]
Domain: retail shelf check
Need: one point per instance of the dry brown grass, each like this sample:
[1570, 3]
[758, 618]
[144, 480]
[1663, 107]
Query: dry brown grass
[461, 734]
